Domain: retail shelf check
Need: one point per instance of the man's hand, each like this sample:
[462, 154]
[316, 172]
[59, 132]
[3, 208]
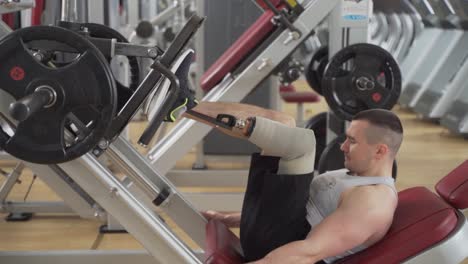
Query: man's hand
[230, 219]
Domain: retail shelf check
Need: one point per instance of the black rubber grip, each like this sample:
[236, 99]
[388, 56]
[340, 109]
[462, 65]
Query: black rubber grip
[169, 101]
[30, 104]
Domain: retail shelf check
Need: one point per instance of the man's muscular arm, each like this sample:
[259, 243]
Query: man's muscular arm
[364, 214]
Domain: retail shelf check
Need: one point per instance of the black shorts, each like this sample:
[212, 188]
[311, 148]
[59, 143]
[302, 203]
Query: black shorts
[274, 208]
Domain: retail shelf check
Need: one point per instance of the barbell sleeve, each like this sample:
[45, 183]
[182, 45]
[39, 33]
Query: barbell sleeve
[30, 104]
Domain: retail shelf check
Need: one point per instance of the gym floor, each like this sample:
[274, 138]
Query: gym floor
[428, 153]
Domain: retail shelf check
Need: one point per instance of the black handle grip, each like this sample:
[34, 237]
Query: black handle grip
[30, 104]
[174, 90]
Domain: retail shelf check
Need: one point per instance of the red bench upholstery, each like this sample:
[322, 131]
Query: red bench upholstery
[454, 187]
[37, 13]
[290, 95]
[421, 220]
[9, 19]
[223, 247]
[262, 4]
[238, 51]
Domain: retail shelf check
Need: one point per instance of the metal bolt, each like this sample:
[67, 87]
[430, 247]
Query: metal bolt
[103, 144]
[292, 35]
[51, 92]
[152, 52]
[364, 83]
[114, 191]
[265, 62]
[38, 56]
[96, 152]
[7, 3]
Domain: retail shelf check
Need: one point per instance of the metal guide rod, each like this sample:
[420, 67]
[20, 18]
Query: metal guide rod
[348, 24]
[11, 181]
[137, 218]
[153, 184]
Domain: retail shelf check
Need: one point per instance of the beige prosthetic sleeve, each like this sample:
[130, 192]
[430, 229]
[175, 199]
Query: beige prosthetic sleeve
[295, 146]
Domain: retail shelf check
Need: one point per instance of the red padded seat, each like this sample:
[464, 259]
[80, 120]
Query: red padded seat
[421, 220]
[223, 247]
[300, 97]
[454, 187]
[290, 95]
[238, 51]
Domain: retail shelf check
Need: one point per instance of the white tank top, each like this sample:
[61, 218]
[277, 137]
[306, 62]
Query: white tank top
[325, 193]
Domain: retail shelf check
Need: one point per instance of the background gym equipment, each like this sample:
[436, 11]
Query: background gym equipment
[423, 45]
[434, 100]
[374, 81]
[431, 65]
[436, 62]
[318, 124]
[447, 66]
[315, 69]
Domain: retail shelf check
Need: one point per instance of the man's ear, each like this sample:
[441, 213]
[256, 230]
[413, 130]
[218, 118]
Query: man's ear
[382, 151]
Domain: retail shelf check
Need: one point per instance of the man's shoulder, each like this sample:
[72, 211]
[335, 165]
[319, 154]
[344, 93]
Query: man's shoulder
[340, 172]
[375, 190]
[374, 196]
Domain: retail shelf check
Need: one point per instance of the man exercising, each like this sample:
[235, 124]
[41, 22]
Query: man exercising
[289, 217]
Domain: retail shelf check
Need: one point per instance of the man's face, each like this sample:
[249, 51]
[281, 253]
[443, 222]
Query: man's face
[357, 151]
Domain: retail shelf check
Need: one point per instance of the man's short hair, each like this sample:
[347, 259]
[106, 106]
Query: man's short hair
[385, 127]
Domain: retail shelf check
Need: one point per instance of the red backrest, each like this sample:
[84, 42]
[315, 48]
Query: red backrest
[37, 13]
[262, 4]
[454, 187]
[9, 19]
[421, 220]
[236, 53]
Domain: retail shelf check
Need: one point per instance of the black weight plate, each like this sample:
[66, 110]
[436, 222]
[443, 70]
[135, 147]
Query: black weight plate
[360, 77]
[315, 68]
[318, 124]
[332, 157]
[83, 84]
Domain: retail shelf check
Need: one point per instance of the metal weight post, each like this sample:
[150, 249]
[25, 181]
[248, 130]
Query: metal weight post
[348, 24]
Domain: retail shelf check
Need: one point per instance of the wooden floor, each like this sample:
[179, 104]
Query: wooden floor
[428, 153]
